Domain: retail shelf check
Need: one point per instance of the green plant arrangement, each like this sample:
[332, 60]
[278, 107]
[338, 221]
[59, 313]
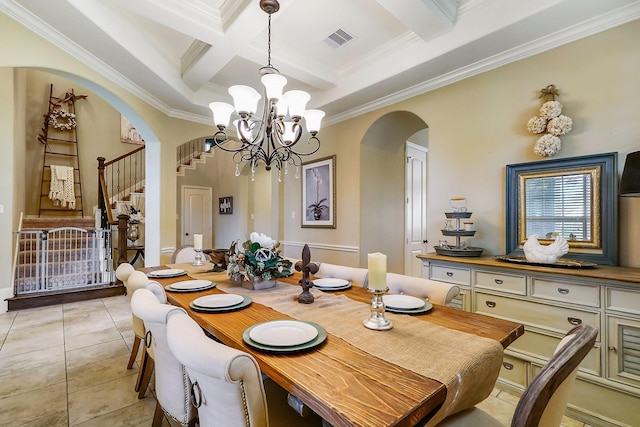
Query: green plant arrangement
[259, 257]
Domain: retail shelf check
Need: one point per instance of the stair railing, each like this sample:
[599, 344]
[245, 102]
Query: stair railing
[193, 149]
[118, 179]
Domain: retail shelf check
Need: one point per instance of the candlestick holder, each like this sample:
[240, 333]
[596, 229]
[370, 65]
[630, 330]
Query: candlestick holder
[377, 321]
[198, 261]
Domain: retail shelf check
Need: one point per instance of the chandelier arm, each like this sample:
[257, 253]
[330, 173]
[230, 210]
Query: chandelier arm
[226, 140]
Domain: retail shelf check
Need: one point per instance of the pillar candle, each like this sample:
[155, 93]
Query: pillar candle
[377, 270]
[197, 241]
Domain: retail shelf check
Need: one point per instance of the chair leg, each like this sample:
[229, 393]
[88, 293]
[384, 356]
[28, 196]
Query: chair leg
[134, 351]
[158, 415]
[144, 382]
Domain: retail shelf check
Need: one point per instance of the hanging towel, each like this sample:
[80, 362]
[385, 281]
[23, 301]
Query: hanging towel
[61, 188]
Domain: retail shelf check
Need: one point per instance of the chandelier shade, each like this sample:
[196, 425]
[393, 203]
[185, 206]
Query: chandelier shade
[273, 137]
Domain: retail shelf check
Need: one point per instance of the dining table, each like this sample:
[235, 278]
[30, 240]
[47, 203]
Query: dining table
[428, 365]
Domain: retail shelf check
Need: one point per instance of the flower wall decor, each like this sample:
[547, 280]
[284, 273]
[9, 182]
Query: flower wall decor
[550, 122]
[259, 257]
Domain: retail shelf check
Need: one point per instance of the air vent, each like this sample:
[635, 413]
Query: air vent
[338, 38]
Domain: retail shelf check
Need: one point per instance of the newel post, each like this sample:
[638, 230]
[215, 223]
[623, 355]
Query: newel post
[123, 221]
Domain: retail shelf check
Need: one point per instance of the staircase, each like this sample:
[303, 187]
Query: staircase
[61, 260]
[192, 153]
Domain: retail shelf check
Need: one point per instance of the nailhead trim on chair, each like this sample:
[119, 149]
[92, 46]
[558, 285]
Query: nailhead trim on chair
[244, 404]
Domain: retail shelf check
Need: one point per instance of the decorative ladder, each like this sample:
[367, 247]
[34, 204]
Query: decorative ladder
[59, 137]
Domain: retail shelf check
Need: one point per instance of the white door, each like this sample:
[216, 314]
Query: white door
[196, 215]
[416, 208]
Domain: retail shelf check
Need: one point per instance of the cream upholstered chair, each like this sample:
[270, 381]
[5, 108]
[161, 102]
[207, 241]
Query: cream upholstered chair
[186, 253]
[123, 272]
[545, 399]
[171, 383]
[227, 384]
[352, 274]
[437, 292]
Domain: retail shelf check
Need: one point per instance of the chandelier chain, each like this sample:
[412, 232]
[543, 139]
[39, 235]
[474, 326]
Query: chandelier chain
[269, 43]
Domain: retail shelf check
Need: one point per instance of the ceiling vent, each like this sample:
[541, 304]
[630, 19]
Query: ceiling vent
[338, 38]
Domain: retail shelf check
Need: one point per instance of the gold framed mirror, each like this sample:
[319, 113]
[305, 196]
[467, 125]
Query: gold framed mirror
[575, 198]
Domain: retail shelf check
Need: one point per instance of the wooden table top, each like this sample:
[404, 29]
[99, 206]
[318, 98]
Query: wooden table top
[343, 384]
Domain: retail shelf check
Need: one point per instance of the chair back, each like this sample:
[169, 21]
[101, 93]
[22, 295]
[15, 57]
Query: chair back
[437, 292]
[545, 399]
[158, 291]
[171, 383]
[352, 274]
[186, 253]
[227, 384]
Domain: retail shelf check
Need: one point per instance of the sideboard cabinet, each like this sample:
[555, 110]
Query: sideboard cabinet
[550, 301]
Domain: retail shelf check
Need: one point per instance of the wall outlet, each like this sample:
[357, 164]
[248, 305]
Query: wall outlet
[293, 214]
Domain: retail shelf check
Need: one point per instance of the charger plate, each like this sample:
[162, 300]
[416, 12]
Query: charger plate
[320, 337]
[427, 307]
[404, 302]
[190, 286]
[331, 284]
[218, 301]
[246, 301]
[169, 272]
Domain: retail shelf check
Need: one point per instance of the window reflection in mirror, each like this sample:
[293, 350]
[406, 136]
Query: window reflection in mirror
[575, 198]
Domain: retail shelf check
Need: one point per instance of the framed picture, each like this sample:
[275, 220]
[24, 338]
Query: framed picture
[225, 205]
[129, 134]
[319, 193]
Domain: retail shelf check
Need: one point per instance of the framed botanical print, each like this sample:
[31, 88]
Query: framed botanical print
[319, 193]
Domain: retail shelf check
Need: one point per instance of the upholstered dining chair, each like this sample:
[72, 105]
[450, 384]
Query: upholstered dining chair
[352, 274]
[545, 399]
[186, 253]
[172, 385]
[437, 292]
[123, 272]
[228, 388]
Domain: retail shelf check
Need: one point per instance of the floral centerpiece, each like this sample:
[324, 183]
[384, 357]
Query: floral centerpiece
[258, 263]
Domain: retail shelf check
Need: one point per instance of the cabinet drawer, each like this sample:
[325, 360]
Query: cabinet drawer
[461, 276]
[501, 282]
[540, 345]
[566, 292]
[558, 319]
[514, 371]
[623, 300]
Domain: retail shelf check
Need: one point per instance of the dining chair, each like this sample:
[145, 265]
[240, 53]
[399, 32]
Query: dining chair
[123, 272]
[186, 253]
[437, 292]
[172, 386]
[352, 274]
[545, 399]
[227, 385]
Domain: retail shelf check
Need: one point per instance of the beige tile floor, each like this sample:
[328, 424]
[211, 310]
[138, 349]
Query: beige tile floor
[65, 365]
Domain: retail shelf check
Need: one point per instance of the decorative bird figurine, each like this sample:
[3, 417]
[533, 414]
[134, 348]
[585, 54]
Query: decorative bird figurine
[535, 252]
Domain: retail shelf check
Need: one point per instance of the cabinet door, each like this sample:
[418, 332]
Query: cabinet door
[624, 350]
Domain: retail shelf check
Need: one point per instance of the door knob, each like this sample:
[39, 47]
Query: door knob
[425, 241]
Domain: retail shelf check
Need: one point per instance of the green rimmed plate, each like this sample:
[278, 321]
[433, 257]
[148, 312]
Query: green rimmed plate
[427, 306]
[190, 286]
[245, 302]
[319, 339]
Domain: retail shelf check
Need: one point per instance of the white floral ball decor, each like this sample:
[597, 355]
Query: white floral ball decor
[550, 109]
[62, 120]
[547, 145]
[537, 124]
[560, 125]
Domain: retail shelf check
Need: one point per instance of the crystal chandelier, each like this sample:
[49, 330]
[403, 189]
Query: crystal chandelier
[273, 138]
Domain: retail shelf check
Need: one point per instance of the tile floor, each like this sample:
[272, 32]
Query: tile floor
[65, 365]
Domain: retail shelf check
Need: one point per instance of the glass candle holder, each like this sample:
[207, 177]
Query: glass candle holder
[377, 321]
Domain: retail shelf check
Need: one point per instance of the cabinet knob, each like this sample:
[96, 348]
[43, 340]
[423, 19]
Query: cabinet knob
[507, 366]
[612, 348]
[498, 281]
[490, 304]
[574, 321]
[563, 291]
[449, 274]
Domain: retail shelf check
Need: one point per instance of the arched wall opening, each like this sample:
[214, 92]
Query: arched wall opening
[382, 183]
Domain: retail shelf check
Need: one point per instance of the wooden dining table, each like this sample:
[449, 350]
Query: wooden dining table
[342, 383]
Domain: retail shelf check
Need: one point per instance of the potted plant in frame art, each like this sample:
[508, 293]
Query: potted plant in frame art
[318, 193]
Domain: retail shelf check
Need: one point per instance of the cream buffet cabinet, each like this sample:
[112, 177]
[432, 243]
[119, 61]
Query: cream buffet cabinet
[549, 302]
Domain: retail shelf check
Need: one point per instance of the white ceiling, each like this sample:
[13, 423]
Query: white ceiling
[179, 55]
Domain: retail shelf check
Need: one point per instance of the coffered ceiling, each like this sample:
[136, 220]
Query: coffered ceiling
[179, 55]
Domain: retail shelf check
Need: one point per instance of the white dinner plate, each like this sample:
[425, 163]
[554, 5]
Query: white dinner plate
[283, 333]
[191, 285]
[330, 283]
[218, 300]
[170, 272]
[403, 301]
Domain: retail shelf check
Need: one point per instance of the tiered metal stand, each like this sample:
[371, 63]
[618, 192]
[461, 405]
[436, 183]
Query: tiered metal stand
[458, 249]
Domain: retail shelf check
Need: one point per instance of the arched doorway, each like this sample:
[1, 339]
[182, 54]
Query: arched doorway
[382, 183]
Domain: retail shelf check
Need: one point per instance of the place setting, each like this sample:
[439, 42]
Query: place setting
[190, 286]
[406, 304]
[168, 272]
[220, 303]
[330, 284]
[284, 336]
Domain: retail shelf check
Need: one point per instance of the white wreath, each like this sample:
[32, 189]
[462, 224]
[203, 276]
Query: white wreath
[68, 123]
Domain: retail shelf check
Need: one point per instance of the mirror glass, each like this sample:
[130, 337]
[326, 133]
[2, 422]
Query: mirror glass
[575, 198]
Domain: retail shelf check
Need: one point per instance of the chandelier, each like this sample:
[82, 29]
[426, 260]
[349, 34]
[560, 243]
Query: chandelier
[273, 138]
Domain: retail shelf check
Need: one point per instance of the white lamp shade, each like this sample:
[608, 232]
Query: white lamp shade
[274, 83]
[313, 118]
[245, 99]
[282, 107]
[221, 113]
[289, 132]
[297, 100]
